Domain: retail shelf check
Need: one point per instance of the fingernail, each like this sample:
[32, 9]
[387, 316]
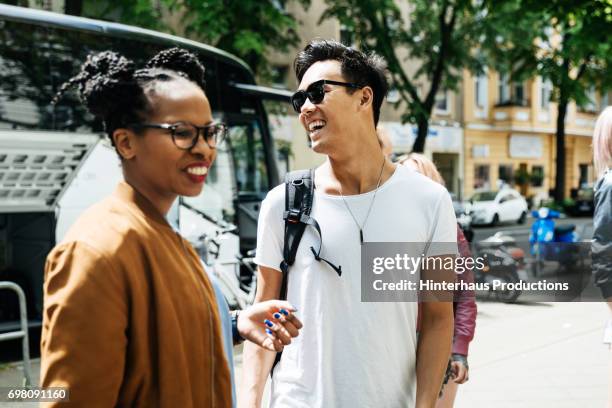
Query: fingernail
[268, 323]
[277, 315]
[268, 331]
[285, 312]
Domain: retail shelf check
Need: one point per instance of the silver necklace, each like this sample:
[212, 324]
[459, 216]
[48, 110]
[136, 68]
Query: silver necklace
[369, 208]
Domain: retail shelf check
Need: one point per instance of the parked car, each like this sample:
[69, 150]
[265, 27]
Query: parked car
[493, 207]
[463, 217]
[583, 202]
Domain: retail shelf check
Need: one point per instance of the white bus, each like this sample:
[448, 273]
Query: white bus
[55, 161]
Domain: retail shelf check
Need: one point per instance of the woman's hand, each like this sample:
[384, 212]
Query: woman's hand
[270, 324]
[460, 368]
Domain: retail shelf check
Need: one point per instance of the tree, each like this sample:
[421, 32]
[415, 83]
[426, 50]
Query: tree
[248, 29]
[564, 41]
[440, 36]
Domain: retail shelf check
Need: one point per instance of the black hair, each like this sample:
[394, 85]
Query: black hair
[356, 66]
[116, 92]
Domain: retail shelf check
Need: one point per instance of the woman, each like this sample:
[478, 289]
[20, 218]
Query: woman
[130, 316]
[602, 218]
[464, 305]
[601, 246]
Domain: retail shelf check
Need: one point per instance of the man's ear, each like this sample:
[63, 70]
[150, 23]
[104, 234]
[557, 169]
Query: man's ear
[367, 96]
[124, 140]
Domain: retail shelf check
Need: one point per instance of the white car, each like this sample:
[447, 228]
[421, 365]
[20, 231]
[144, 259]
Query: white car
[493, 207]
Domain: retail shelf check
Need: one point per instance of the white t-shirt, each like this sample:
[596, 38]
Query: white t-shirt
[350, 353]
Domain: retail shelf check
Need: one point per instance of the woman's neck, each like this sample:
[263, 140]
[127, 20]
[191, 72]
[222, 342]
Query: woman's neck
[162, 201]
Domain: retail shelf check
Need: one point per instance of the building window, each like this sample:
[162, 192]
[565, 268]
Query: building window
[510, 93]
[481, 176]
[505, 173]
[442, 104]
[604, 100]
[545, 94]
[590, 106]
[480, 91]
[584, 175]
[537, 176]
[518, 93]
[503, 89]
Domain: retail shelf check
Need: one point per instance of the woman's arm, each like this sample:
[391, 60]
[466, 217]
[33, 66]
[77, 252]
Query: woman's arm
[465, 303]
[602, 237]
[83, 342]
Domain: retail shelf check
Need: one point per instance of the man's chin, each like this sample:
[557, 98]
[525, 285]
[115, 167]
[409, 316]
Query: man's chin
[318, 147]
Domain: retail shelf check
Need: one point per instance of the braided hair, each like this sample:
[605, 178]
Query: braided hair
[113, 90]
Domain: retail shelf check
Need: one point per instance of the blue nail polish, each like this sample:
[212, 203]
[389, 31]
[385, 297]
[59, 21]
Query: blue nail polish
[283, 311]
[277, 315]
[268, 331]
[268, 323]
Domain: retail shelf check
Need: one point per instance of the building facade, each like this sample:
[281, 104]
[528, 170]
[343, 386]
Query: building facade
[509, 131]
[489, 132]
[445, 137]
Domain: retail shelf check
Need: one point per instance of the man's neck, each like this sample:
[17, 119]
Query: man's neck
[354, 171]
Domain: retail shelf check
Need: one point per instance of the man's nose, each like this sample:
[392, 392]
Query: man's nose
[307, 107]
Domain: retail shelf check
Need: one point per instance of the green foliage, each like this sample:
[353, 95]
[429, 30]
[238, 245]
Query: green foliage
[246, 28]
[521, 177]
[553, 205]
[565, 41]
[439, 36]
[536, 178]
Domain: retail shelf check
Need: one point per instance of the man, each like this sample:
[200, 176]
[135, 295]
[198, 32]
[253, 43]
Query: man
[351, 353]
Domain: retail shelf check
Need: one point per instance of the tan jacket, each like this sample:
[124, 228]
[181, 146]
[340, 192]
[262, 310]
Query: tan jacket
[130, 318]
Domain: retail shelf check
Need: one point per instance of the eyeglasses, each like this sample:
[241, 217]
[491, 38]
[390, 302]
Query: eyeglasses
[316, 92]
[185, 135]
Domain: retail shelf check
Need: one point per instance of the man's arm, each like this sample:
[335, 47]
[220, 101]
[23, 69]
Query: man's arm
[433, 352]
[257, 362]
[436, 334]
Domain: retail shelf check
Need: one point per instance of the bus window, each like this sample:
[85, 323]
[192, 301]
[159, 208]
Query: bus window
[216, 200]
[36, 60]
[249, 159]
[25, 87]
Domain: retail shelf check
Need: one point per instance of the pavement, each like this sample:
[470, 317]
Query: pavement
[538, 355]
[524, 355]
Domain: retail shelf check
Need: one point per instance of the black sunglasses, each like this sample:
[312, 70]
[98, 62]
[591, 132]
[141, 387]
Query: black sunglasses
[185, 135]
[316, 92]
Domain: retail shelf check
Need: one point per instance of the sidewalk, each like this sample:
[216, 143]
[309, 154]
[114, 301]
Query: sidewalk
[11, 375]
[538, 355]
[526, 355]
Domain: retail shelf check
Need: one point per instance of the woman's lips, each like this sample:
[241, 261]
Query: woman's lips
[197, 173]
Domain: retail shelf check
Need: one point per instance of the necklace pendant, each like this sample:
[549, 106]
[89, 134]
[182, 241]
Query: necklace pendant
[360, 236]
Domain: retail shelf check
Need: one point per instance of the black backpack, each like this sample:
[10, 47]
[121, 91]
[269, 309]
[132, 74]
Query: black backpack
[299, 195]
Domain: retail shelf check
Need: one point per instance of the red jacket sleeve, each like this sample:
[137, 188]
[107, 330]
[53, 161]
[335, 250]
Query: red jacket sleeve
[465, 304]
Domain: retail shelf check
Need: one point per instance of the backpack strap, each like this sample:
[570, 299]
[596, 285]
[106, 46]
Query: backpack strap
[299, 196]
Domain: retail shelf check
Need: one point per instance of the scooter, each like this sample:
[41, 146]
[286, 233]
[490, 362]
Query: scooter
[503, 261]
[548, 242]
